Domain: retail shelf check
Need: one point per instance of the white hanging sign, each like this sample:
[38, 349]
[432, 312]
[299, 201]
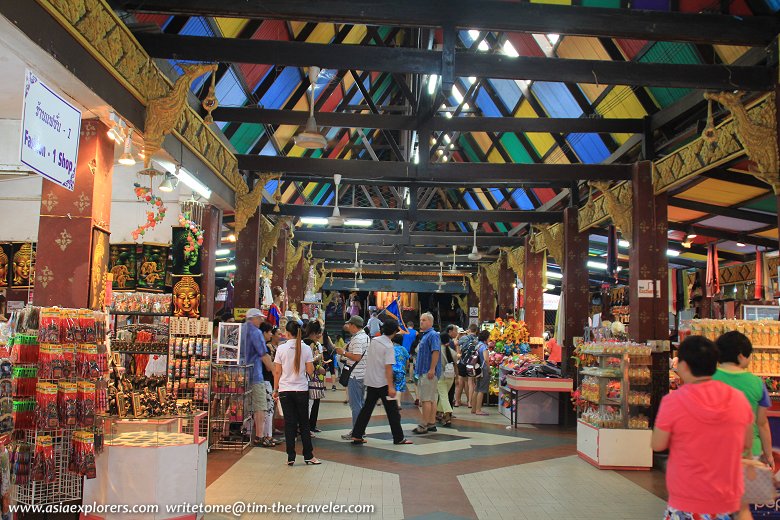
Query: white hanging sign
[50, 133]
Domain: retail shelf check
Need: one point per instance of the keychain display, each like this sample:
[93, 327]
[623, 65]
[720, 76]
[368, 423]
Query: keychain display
[46, 414]
[67, 403]
[86, 403]
[43, 460]
[21, 458]
[82, 454]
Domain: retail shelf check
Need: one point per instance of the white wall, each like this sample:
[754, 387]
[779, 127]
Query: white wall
[20, 201]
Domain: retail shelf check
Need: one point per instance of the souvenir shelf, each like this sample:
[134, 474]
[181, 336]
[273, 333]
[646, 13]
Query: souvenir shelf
[189, 362]
[613, 429]
[230, 417]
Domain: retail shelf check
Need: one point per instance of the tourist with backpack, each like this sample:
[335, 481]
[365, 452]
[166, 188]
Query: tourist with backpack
[467, 347]
[478, 366]
[448, 358]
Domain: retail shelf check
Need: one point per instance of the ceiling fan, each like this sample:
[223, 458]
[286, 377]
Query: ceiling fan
[356, 267]
[310, 137]
[454, 269]
[441, 283]
[336, 220]
[475, 255]
[360, 274]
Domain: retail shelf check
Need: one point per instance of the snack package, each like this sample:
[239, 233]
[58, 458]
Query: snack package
[47, 416]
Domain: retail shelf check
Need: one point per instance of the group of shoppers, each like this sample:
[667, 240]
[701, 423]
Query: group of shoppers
[713, 421]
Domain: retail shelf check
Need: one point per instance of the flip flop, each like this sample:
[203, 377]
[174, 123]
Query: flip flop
[481, 413]
[405, 441]
[357, 441]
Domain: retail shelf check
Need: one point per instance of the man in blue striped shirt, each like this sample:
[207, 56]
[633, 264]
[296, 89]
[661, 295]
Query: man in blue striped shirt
[427, 371]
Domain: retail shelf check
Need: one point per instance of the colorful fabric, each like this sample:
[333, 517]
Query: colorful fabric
[273, 316]
[707, 423]
[399, 368]
[674, 514]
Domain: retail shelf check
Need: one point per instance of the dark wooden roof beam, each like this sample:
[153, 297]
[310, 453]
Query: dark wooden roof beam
[416, 238]
[485, 65]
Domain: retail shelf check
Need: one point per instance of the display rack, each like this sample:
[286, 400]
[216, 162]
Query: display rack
[613, 429]
[189, 362]
[230, 416]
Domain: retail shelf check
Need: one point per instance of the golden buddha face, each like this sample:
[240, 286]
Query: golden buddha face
[3, 269]
[186, 298]
[22, 265]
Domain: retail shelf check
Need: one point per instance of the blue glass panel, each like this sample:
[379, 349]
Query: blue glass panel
[556, 99]
[270, 186]
[283, 86]
[508, 91]
[486, 105]
[774, 5]
[588, 147]
[521, 199]
[329, 199]
[497, 196]
[229, 91]
[268, 149]
[470, 201]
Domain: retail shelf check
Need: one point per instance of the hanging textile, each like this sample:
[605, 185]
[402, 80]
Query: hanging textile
[713, 271]
[544, 270]
[672, 276]
[268, 298]
[612, 252]
[763, 290]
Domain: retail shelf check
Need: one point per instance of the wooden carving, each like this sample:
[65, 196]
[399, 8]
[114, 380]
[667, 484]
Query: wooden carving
[269, 236]
[758, 137]
[515, 259]
[618, 203]
[163, 113]
[474, 282]
[553, 239]
[492, 273]
[463, 303]
[294, 255]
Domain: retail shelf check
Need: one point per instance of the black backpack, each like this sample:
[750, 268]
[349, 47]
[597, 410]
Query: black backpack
[469, 364]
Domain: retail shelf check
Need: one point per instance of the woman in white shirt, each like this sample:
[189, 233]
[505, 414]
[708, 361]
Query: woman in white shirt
[291, 387]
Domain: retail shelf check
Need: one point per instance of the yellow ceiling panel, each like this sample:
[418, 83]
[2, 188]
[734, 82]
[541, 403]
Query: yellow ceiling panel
[356, 35]
[323, 33]
[557, 157]
[683, 215]
[693, 256]
[730, 53]
[230, 27]
[772, 233]
[721, 193]
[284, 133]
[483, 199]
[542, 142]
[592, 91]
[621, 102]
[297, 27]
[582, 47]
[495, 157]
[482, 140]
[290, 193]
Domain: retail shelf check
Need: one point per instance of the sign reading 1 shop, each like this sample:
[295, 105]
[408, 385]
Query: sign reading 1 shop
[50, 133]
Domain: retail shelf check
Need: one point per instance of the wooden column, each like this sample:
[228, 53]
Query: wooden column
[278, 261]
[649, 317]
[533, 292]
[73, 233]
[247, 288]
[576, 286]
[506, 291]
[212, 225]
[487, 298]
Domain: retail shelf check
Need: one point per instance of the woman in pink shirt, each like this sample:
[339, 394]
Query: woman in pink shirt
[705, 425]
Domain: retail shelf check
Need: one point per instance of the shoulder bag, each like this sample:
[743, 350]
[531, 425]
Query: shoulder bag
[346, 371]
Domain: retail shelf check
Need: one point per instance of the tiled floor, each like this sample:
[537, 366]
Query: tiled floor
[527, 473]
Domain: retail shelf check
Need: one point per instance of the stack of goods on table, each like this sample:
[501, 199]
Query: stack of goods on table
[507, 338]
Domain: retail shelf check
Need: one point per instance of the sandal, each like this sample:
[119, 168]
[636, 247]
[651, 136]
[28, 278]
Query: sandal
[267, 443]
[481, 413]
[405, 441]
[358, 440]
[420, 430]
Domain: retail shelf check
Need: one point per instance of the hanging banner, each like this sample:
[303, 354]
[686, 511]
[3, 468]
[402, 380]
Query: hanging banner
[98, 269]
[151, 267]
[22, 265]
[122, 265]
[6, 253]
[50, 133]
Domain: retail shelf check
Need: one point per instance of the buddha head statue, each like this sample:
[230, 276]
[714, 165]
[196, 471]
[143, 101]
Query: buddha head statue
[23, 259]
[3, 268]
[186, 298]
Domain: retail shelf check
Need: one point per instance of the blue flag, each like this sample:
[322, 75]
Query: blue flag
[394, 311]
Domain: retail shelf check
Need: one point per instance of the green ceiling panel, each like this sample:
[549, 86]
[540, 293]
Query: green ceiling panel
[246, 136]
[321, 193]
[515, 149]
[601, 3]
[468, 150]
[670, 52]
[768, 204]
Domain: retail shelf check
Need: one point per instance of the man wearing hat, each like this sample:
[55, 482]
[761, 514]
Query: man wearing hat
[257, 355]
[354, 358]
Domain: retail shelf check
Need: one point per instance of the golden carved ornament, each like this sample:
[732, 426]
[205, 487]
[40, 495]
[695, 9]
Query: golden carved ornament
[474, 282]
[758, 135]
[269, 236]
[463, 302]
[210, 102]
[552, 240]
[515, 259]
[164, 112]
[327, 299]
[294, 255]
[703, 153]
[492, 272]
[618, 204]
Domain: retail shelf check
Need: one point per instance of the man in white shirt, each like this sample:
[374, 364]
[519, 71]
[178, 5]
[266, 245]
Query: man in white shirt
[354, 354]
[374, 324]
[380, 359]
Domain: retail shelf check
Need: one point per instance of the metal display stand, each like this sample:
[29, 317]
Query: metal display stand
[230, 416]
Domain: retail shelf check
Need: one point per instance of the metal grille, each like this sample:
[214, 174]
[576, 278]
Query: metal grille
[230, 417]
[66, 487]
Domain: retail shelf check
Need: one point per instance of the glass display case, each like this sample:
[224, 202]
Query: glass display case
[173, 430]
[613, 401]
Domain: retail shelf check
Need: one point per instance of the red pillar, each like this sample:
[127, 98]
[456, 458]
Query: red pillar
[575, 290]
[649, 318]
[212, 225]
[246, 283]
[533, 292]
[487, 302]
[74, 228]
[506, 290]
[278, 262]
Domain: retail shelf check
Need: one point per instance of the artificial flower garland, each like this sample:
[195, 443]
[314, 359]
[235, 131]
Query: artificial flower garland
[194, 234]
[152, 219]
